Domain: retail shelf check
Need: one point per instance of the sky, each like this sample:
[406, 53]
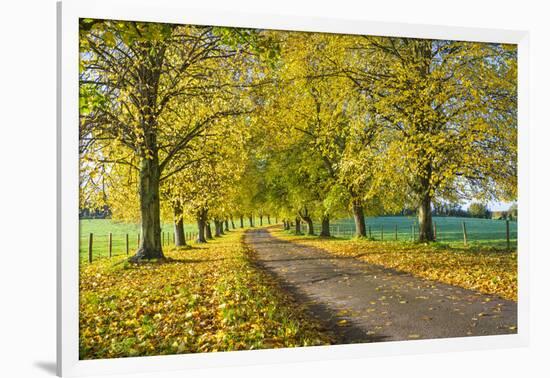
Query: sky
[493, 206]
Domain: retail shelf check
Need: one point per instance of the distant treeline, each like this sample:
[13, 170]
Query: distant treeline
[475, 210]
[95, 213]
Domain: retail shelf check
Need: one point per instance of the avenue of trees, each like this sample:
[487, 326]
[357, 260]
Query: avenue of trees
[230, 127]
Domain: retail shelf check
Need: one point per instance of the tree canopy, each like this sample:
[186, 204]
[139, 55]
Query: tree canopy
[200, 123]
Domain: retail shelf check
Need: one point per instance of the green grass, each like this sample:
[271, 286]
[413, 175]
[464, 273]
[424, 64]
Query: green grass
[480, 232]
[100, 228]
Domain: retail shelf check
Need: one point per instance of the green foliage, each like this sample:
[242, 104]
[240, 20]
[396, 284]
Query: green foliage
[513, 211]
[479, 210]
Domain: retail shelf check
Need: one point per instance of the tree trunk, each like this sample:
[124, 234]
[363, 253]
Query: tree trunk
[268, 220]
[217, 228]
[250, 222]
[233, 224]
[325, 227]
[201, 226]
[298, 230]
[242, 222]
[179, 233]
[425, 224]
[226, 225]
[149, 170]
[359, 218]
[309, 222]
[261, 220]
[208, 230]
[149, 179]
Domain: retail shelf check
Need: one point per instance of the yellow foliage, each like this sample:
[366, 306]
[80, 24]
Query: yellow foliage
[204, 299]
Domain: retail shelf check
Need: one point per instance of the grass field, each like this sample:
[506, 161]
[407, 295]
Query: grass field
[480, 232]
[100, 228]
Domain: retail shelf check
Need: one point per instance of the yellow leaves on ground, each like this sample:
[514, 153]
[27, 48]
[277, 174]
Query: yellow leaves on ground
[204, 299]
[483, 271]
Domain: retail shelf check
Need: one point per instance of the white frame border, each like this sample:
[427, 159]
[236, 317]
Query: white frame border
[69, 12]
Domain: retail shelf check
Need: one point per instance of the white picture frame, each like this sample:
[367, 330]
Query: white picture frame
[69, 12]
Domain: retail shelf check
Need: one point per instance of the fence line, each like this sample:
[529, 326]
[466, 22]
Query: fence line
[459, 232]
[109, 245]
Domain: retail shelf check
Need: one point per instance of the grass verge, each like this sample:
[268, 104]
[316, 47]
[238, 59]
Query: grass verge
[486, 271]
[205, 299]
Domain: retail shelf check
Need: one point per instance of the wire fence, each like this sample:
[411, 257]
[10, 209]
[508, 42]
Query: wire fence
[500, 234]
[456, 231]
[95, 246]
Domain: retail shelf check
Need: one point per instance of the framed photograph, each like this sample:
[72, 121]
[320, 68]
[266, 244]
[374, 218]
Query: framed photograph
[242, 188]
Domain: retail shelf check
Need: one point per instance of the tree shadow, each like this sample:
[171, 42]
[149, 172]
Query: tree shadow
[172, 260]
[327, 317]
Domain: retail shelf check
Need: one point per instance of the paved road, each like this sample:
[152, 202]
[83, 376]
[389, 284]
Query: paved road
[360, 302]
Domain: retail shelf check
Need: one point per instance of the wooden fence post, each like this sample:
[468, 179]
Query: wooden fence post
[382, 232]
[435, 231]
[507, 234]
[370, 234]
[395, 232]
[138, 241]
[110, 245]
[127, 245]
[412, 231]
[464, 233]
[162, 242]
[90, 245]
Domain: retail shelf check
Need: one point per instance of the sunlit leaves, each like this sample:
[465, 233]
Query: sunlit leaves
[450, 111]
[209, 298]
